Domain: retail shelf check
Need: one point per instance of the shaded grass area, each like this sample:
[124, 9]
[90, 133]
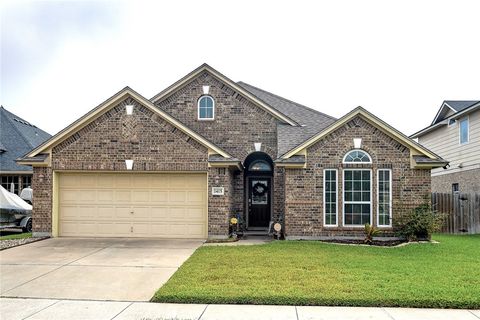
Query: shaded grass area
[443, 275]
[16, 236]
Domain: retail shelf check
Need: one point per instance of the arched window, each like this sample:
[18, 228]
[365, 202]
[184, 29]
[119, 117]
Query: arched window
[260, 165]
[356, 156]
[206, 108]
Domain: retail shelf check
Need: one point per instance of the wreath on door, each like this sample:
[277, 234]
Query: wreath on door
[259, 189]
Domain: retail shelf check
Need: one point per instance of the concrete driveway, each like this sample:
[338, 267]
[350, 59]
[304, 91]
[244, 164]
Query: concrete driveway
[116, 269]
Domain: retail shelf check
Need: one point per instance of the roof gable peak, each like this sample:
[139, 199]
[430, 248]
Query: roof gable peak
[205, 67]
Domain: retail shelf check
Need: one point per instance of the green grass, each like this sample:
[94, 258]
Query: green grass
[444, 275]
[16, 236]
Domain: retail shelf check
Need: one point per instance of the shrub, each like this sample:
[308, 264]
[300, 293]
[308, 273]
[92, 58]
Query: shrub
[420, 223]
[370, 232]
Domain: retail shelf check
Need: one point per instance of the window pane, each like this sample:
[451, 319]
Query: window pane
[357, 175]
[464, 131]
[357, 205]
[203, 113]
[330, 191]
[209, 113]
[205, 106]
[348, 175]
[384, 196]
[357, 156]
[209, 102]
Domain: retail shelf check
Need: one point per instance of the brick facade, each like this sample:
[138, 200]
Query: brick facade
[304, 187]
[468, 181]
[104, 144]
[157, 146]
[150, 141]
[220, 208]
[237, 126]
[42, 200]
[238, 122]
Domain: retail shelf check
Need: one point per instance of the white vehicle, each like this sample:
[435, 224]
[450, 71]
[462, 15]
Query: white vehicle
[14, 211]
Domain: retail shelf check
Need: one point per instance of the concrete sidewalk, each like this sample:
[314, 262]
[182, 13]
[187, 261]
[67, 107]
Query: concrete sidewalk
[16, 309]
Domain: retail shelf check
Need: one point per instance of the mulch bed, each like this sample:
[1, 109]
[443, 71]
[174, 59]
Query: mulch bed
[378, 243]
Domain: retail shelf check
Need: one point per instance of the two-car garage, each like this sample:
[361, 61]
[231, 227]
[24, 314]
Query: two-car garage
[132, 205]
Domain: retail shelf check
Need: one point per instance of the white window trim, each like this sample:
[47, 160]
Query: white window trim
[350, 162]
[460, 130]
[361, 202]
[198, 108]
[336, 202]
[390, 199]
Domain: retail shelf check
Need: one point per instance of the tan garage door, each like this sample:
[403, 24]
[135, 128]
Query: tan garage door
[132, 205]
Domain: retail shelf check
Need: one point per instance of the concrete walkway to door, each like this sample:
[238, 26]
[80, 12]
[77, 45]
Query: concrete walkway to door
[117, 269]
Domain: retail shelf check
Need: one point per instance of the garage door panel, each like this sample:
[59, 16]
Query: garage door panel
[195, 214]
[68, 195]
[196, 230]
[141, 195]
[141, 213]
[106, 196]
[140, 181]
[195, 196]
[178, 182]
[159, 196]
[123, 196]
[163, 205]
[106, 181]
[87, 181]
[123, 213]
[177, 197]
[78, 212]
[123, 181]
[106, 212]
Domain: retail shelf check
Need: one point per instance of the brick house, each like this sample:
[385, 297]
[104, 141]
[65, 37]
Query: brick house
[205, 149]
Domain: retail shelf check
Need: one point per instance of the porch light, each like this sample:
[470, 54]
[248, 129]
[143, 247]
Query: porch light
[129, 164]
[129, 109]
[357, 143]
[258, 146]
[206, 89]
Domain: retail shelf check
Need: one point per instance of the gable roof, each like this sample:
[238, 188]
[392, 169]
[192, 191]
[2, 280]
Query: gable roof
[205, 67]
[386, 128]
[455, 106]
[458, 107]
[108, 104]
[17, 137]
[311, 121]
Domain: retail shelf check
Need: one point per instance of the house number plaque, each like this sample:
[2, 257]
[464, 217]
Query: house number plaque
[218, 191]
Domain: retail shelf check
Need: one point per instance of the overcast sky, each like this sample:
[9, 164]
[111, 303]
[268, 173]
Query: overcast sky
[399, 60]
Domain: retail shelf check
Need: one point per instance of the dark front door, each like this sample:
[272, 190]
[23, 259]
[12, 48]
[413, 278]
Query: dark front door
[259, 199]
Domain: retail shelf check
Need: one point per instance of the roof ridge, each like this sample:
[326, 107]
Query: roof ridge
[288, 100]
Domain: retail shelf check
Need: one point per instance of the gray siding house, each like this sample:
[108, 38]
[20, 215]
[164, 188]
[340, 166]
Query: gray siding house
[455, 136]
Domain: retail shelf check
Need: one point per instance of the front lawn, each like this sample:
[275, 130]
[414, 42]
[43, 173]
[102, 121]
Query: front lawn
[16, 236]
[444, 275]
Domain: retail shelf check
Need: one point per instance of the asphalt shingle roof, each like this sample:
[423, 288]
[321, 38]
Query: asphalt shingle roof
[460, 105]
[17, 137]
[288, 136]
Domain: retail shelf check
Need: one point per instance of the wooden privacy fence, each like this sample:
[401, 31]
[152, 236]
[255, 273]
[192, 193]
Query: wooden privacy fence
[462, 211]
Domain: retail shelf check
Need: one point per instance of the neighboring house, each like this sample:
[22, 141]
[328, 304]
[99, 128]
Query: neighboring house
[455, 135]
[17, 137]
[206, 148]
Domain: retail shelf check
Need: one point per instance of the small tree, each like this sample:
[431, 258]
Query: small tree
[420, 223]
